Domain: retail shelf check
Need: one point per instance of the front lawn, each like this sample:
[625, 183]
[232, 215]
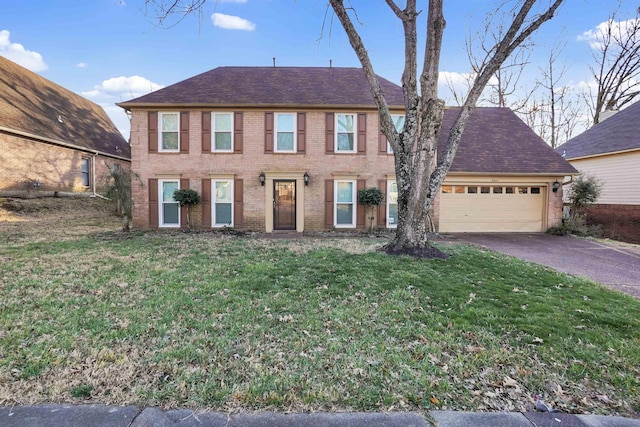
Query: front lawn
[203, 320]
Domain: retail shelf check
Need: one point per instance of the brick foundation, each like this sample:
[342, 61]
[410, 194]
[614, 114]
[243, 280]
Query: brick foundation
[620, 222]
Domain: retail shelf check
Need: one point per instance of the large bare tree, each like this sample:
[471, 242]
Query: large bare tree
[616, 63]
[419, 170]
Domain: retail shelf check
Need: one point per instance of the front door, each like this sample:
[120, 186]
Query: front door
[284, 205]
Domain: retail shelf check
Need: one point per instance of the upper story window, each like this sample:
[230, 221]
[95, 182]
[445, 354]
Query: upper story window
[398, 121]
[345, 133]
[285, 130]
[169, 132]
[222, 124]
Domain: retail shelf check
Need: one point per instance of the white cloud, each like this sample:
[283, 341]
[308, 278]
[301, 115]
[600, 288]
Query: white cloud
[230, 22]
[123, 88]
[81, 64]
[619, 29]
[18, 54]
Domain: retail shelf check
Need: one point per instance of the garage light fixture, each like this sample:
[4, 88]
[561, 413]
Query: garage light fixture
[556, 186]
[306, 178]
[262, 178]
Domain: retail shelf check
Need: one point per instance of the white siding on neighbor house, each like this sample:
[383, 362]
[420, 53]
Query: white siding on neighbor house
[619, 174]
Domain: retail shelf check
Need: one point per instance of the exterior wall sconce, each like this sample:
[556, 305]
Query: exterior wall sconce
[306, 178]
[556, 186]
[263, 178]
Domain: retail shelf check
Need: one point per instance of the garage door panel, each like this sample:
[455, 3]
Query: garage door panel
[491, 212]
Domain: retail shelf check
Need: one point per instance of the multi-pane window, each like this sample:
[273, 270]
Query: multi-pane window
[169, 209]
[222, 203]
[345, 133]
[345, 207]
[222, 132]
[285, 132]
[398, 121]
[169, 132]
[392, 204]
[85, 172]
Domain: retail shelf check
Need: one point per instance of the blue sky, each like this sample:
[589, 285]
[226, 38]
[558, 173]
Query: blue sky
[112, 50]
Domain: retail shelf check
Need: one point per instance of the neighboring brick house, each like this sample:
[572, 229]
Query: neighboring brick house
[287, 148]
[610, 151]
[51, 138]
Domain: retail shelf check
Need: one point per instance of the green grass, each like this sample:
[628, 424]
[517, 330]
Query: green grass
[198, 320]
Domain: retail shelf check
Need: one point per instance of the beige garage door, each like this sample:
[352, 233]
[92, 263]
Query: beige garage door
[491, 208]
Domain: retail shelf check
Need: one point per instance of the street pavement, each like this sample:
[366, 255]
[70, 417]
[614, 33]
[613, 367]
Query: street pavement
[134, 416]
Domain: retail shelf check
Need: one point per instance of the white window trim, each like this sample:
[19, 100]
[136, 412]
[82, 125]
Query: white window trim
[353, 203]
[161, 204]
[355, 134]
[214, 223]
[389, 181]
[389, 148]
[160, 131]
[295, 133]
[213, 131]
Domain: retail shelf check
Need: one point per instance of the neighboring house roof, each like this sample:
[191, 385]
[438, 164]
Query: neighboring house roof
[495, 140]
[273, 86]
[620, 132]
[35, 107]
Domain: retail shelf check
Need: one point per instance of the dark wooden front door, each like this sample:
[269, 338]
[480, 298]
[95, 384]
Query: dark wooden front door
[284, 205]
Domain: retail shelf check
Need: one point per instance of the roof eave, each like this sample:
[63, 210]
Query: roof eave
[609, 153]
[554, 173]
[154, 105]
[62, 143]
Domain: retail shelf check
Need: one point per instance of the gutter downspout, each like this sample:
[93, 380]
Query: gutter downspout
[93, 177]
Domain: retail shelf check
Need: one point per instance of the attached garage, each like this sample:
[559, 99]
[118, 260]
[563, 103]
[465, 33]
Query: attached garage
[490, 207]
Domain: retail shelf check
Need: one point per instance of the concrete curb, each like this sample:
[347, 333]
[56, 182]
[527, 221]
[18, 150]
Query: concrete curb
[134, 416]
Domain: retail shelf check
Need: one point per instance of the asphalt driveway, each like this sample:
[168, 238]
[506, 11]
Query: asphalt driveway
[615, 266]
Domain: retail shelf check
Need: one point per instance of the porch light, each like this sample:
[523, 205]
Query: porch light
[306, 178]
[555, 187]
[262, 178]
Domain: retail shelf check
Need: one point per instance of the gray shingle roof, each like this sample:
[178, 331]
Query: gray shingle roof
[273, 86]
[31, 104]
[495, 140]
[619, 132]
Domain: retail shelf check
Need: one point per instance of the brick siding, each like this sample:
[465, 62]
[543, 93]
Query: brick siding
[56, 168]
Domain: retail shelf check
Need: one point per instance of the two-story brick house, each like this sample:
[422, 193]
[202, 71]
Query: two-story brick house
[287, 148]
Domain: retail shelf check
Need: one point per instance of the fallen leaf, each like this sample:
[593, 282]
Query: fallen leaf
[603, 398]
[537, 340]
[474, 349]
[434, 400]
[509, 382]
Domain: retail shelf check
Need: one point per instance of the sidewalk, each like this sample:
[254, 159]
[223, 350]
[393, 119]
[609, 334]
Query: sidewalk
[133, 416]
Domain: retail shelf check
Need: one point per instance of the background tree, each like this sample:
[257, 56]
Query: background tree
[616, 68]
[117, 187]
[554, 110]
[505, 88]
